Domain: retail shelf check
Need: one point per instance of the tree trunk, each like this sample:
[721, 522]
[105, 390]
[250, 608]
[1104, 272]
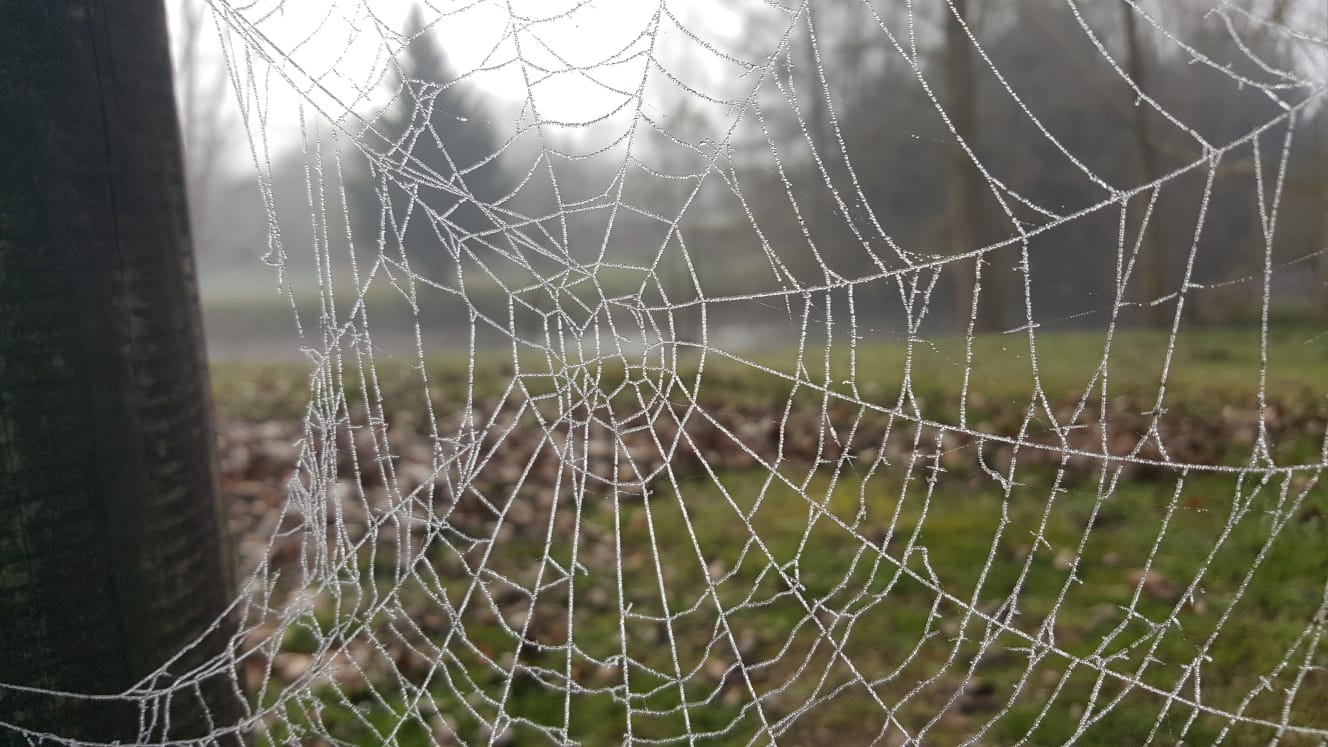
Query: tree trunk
[965, 183]
[1322, 294]
[818, 119]
[1152, 264]
[110, 552]
[822, 214]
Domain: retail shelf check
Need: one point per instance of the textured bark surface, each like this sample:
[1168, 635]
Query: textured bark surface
[110, 557]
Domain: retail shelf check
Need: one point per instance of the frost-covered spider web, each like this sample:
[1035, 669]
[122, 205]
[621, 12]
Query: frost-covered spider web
[776, 393]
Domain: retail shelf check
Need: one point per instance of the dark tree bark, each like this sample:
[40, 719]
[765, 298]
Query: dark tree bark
[965, 183]
[1152, 265]
[110, 552]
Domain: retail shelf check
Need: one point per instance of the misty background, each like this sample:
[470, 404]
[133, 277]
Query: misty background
[782, 165]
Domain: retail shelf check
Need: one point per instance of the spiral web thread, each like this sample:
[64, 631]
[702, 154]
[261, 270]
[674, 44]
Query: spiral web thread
[615, 520]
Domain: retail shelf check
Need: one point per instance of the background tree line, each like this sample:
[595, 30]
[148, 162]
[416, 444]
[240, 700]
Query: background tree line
[1057, 128]
[850, 164]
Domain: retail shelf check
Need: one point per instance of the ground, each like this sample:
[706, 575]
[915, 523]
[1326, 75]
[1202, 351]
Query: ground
[912, 552]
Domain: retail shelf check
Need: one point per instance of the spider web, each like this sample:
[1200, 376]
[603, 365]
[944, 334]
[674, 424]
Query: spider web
[702, 484]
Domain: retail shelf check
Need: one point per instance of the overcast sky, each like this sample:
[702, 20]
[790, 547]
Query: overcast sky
[592, 52]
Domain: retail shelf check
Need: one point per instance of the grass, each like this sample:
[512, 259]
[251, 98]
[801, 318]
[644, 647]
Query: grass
[1209, 367]
[803, 558]
[1206, 366]
[944, 539]
[900, 624]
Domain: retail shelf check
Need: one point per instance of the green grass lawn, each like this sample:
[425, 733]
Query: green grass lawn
[948, 601]
[1207, 367]
[877, 597]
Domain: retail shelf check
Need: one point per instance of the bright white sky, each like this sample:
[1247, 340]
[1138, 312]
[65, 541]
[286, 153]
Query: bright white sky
[593, 52]
[580, 60]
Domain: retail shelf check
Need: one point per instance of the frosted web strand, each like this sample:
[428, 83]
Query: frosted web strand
[682, 419]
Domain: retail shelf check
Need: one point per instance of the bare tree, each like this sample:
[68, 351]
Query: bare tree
[1322, 289]
[1321, 127]
[818, 114]
[206, 124]
[965, 183]
[1152, 265]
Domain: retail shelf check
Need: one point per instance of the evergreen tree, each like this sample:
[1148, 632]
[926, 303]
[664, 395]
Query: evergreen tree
[436, 172]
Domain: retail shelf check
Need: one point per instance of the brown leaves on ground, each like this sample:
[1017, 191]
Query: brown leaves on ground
[473, 461]
[495, 468]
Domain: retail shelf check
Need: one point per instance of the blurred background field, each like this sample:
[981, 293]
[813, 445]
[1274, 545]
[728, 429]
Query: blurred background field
[811, 373]
[732, 178]
[1181, 565]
